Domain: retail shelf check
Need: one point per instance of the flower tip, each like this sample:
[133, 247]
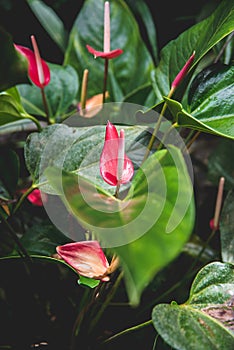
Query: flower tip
[180, 76]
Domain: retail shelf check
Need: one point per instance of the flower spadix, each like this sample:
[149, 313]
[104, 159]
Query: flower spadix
[38, 70]
[87, 258]
[115, 167]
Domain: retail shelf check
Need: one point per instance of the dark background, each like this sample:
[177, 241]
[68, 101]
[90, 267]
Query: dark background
[171, 18]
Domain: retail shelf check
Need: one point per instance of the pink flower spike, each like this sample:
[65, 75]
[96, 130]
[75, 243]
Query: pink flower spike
[102, 54]
[115, 167]
[35, 198]
[180, 76]
[87, 258]
[39, 73]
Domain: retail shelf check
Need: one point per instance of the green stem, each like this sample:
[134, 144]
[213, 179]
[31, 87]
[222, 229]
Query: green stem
[128, 330]
[157, 126]
[45, 104]
[22, 251]
[174, 125]
[106, 302]
[193, 139]
[199, 255]
[22, 198]
[105, 81]
[28, 116]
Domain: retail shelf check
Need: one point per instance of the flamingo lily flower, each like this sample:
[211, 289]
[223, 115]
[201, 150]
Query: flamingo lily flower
[88, 259]
[38, 69]
[115, 167]
[106, 53]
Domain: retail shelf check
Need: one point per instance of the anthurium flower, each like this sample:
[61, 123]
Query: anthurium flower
[115, 167]
[87, 258]
[38, 69]
[106, 53]
[102, 54]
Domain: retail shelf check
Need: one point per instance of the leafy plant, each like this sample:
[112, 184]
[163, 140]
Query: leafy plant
[102, 189]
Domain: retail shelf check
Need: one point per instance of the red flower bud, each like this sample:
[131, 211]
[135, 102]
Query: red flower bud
[180, 76]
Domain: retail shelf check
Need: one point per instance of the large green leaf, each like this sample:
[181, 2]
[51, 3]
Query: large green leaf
[141, 9]
[50, 21]
[70, 148]
[126, 72]
[227, 228]
[13, 66]
[210, 106]
[205, 321]
[201, 37]
[60, 92]
[148, 228]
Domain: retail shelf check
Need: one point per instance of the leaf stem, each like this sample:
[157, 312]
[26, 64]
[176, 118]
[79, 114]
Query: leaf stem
[45, 104]
[107, 301]
[22, 198]
[128, 330]
[28, 116]
[22, 251]
[105, 80]
[157, 126]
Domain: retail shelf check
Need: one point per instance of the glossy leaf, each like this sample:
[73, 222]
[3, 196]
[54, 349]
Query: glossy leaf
[201, 37]
[60, 93]
[136, 60]
[210, 106]
[205, 321]
[147, 213]
[50, 21]
[141, 9]
[13, 66]
[227, 228]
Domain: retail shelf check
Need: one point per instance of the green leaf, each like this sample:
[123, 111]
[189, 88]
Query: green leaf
[206, 320]
[141, 9]
[60, 92]
[129, 70]
[227, 228]
[148, 228]
[210, 104]
[70, 148]
[89, 282]
[42, 239]
[220, 164]
[50, 21]
[13, 66]
[201, 37]
[10, 109]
